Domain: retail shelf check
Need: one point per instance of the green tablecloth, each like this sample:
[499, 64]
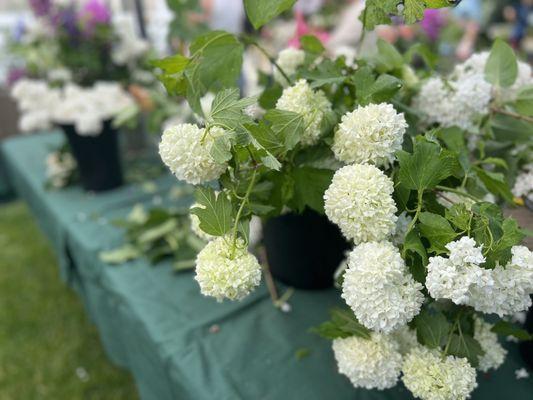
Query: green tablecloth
[156, 324]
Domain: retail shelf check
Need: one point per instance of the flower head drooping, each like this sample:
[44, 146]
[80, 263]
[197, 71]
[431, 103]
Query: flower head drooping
[377, 286]
[430, 377]
[225, 272]
[359, 200]
[369, 363]
[185, 149]
[370, 134]
[289, 60]
[494, 352]
[195, 225]
[311, 105]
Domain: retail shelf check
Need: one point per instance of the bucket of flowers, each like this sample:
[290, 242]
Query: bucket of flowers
[80, 89]
[409, 184]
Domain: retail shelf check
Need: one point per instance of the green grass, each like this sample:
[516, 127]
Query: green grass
[45, 334]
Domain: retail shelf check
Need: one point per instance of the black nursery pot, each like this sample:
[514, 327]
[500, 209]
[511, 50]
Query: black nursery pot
[97, 157]
[526, 347]
[304, 250]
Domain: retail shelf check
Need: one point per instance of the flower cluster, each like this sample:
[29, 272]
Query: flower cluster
[370, 134]
[373, 363]
[359, 200]
[312, 105]
[523, 186]
[430, 377]
[379, 289]
[185, 149]
[226, 271]
[288, 60]
[86, 108]
[462, 279]
[494, 353]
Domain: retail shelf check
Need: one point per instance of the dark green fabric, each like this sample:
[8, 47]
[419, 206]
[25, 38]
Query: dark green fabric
[155, 322]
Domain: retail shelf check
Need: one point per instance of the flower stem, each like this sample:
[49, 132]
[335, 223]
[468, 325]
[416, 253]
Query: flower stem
[511, 114]
[270, 58]
[239, 212]
[417, 212]
[459, 192]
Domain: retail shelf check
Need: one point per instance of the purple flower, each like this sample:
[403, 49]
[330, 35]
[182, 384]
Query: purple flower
[95, 12]
[14, 74]
[432, 23]
[66, 18]
[41, 7]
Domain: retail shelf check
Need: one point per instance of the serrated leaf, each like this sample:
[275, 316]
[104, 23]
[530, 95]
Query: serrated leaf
[501, 249]
[459, 216]
[502, 67]
[311, 44]
[215, 212]
[426, 167]
[377, 12]
[309, 187]
[413, 10]
[465, 346]
[326, 73]
[221, 149]
[266, 137]
[343, 324]
[260, 11]
[432, 328]
[287, 125]
[227, 109]
[495, 183]
[437, 230]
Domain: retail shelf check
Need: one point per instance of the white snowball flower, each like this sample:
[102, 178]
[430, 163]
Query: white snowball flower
[494, 352]
[453, 278]
[195, 225]
[378, 287]
[223, 272]
[406, 339]
[430, 377]
[370, 134]
[311, 105]
[523, 186]
[289, 60]
[359, 200]
[369, 363]
[185, 149]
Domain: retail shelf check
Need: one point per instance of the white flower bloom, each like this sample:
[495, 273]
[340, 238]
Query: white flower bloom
[406, 339]
[289, 60]
[59, 75]
[523, 186]
[521, 373]
[195, 225]
[369, 363]
[370, 134]
[494, 352]
[185, 149]
[453, 278]
[455, 102]
[378, 287]
[430, 377]
[359, 200]
[223, 272]
[311, 105]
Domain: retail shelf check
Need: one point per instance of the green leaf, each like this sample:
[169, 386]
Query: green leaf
[413, 244]
[377, 12]
[309, 187]
[343, 324]
[214, 211]
[270, 96]
[311, 44]
[432, 328]
[221, 149]
[120, 255]
[287, 125]
[426, 167]
[326, 73]
[459, 216]
[495, 183]
[266, 137]
[227, 109]
[437, 230]
[388, 57]
[260, 11]
[524, 101]
[384, 88]
[501, 249]
[172, 65]
[465, 346]
[413, 10]
[502, 67]
[504, 328]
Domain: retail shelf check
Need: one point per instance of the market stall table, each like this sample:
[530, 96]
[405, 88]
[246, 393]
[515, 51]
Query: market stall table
[177, 343]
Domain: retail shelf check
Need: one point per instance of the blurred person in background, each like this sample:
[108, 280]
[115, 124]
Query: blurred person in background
[470, 15]
[521, 15]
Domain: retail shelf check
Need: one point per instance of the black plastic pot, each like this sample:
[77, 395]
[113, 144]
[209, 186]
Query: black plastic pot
[526, 347]
[304, 250]
[97, 157]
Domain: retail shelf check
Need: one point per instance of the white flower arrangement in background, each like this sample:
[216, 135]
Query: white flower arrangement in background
[42, 106]
[523, 186]
[288, 60]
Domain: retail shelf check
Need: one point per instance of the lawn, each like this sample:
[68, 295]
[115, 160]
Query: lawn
[49, 349]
